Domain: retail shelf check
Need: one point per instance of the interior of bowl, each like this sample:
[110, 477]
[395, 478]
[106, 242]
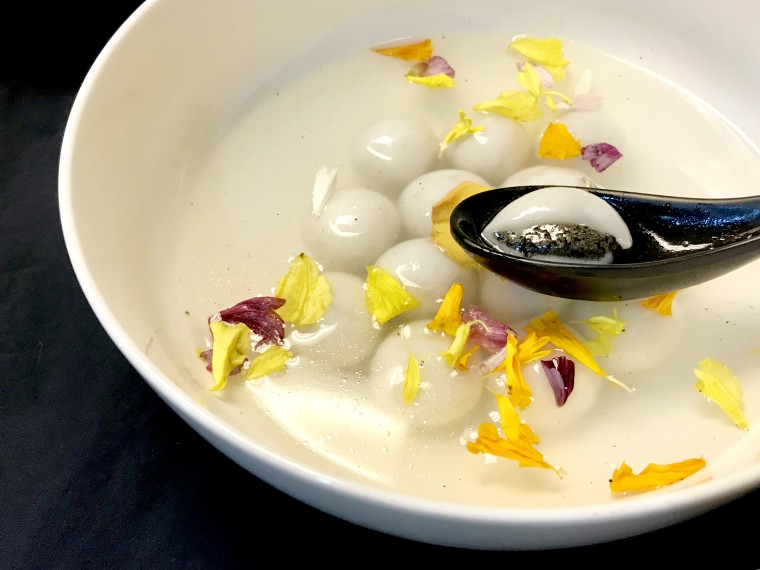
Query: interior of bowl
[189, 164]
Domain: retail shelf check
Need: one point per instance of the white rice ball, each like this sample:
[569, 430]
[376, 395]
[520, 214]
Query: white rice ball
[503, 147]
[445, 394]
[344, 338]
[510, 303]
[543, 415]
[427, 273]
[648, 341]
[419, 196]
[390, 153]
[355, 226]
[544, 174]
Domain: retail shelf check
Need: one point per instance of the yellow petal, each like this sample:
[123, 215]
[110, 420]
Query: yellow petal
[549, 99]
[440, 218]
[230, 349]
[560, 336]
[558, 143]
[489, 441]
[439, 81]
[456, 350]
[411, 379]
[385, 296]
[718, 384]
[463, 128]
[419, 51]
[547, 52]
[662, 303]
[653, 475]
[518, 105]
[529, 350]
[519, 391]
[449, 315]
[461, 363]
[509, 418]
[305, 290]
[606, 328]
[273, 359]
[530, 79]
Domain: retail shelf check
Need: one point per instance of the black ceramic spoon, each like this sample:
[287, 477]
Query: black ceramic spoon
[677, 242]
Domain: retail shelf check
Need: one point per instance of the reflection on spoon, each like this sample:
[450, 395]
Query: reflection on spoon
[674, 242]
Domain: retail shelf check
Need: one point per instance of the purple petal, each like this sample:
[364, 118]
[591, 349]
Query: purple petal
[600, 155]
[560, 372]
[488, 332]
[208, 355]
[434, 65]
[259, 315]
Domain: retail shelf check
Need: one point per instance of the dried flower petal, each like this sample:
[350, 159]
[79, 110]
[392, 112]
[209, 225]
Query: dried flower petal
[385, 296]
[519, 391]
[560, 372]
[517, 443]
[433, 72]
[529, 77]
[718, 384]
[273, 359]
[305, 290]
[546, 52]
[260, 315]
[487, 331]
[455, 355]
[440, 217]
[560, 336]
[653, 476]
[230, 349]
[545, 79]
[463, 128]
[437, 65]
[558, 143]
[412, 379]
[530, 348]
[600, 155]
[662, 303]
[419, 51]
[449, 315]
[606, 328]
[440, 81]
[518, 105]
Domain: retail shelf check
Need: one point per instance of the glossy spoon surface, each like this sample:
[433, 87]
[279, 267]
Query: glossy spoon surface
[677, 242]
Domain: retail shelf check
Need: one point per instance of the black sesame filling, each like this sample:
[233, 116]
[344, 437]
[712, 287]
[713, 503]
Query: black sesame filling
[561, 240]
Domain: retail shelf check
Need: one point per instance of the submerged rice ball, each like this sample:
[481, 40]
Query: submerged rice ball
[445, 394]
[419, 196]
[648, 341]
[427, 273]
[355, 226]
[509, 302]
[344, 337]
[390, 153]
[503, 147]
[549, 174]
[543, 415]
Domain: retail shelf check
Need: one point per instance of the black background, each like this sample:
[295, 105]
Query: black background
[96, 471]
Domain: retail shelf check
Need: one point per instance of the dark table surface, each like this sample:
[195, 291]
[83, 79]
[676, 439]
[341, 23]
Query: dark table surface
[96, 471]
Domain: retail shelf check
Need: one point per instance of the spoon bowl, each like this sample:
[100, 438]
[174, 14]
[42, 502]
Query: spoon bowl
[677, 242]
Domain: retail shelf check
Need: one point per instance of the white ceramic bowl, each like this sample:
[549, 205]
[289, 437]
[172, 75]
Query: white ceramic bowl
[173, 208]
